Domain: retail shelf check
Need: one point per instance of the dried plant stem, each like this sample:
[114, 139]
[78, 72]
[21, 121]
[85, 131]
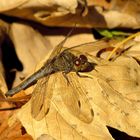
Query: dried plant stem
[118, 45]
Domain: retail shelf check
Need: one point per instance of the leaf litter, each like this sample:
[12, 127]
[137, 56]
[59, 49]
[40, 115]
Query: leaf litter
[113, 104]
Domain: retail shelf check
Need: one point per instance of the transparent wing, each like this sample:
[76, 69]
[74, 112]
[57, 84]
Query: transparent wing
[40, 102]
[74, 97]
[40, 107]
[90, 46]
[59, 47]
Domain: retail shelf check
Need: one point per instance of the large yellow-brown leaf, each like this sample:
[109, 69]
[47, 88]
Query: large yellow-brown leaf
[110, 107]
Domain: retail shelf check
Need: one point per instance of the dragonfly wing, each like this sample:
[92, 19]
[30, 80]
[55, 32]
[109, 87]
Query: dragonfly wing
[76, 100]
[39, 104]
[40, 101]
[59, 47]
[90, 46]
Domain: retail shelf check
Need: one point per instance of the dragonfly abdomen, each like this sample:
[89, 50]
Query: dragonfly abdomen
[44, 71]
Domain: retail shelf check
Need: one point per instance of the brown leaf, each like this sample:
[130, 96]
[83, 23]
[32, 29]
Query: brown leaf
[113, 104]
[12, 132]
[105, 14]
[29, 53]
[59, 122]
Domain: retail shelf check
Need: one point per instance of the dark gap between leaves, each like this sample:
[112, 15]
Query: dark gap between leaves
[118, 135]
[10, 61]
[23, 130]
[96, 34]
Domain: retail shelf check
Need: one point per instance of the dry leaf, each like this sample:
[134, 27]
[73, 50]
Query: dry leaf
[134, 50]
[128, 7]
[4, 28]
[123, 75]
[30, 46]
[59, 122]
[113, 104]
[101, 13]
[14, 132]
[100, 93]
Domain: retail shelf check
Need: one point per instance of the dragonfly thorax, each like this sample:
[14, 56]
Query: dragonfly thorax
[64, 62]
[67, 62]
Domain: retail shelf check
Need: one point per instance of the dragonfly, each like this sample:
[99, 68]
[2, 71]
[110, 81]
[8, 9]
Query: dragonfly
[59, 61]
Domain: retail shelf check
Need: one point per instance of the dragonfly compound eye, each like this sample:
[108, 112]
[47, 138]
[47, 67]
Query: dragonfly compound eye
[77, 62]
[83, 59]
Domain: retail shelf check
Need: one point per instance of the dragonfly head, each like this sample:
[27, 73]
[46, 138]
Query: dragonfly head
[81, 64]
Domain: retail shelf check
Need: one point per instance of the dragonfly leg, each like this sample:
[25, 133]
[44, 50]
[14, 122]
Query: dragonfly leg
[65, 76]
[83, 76]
